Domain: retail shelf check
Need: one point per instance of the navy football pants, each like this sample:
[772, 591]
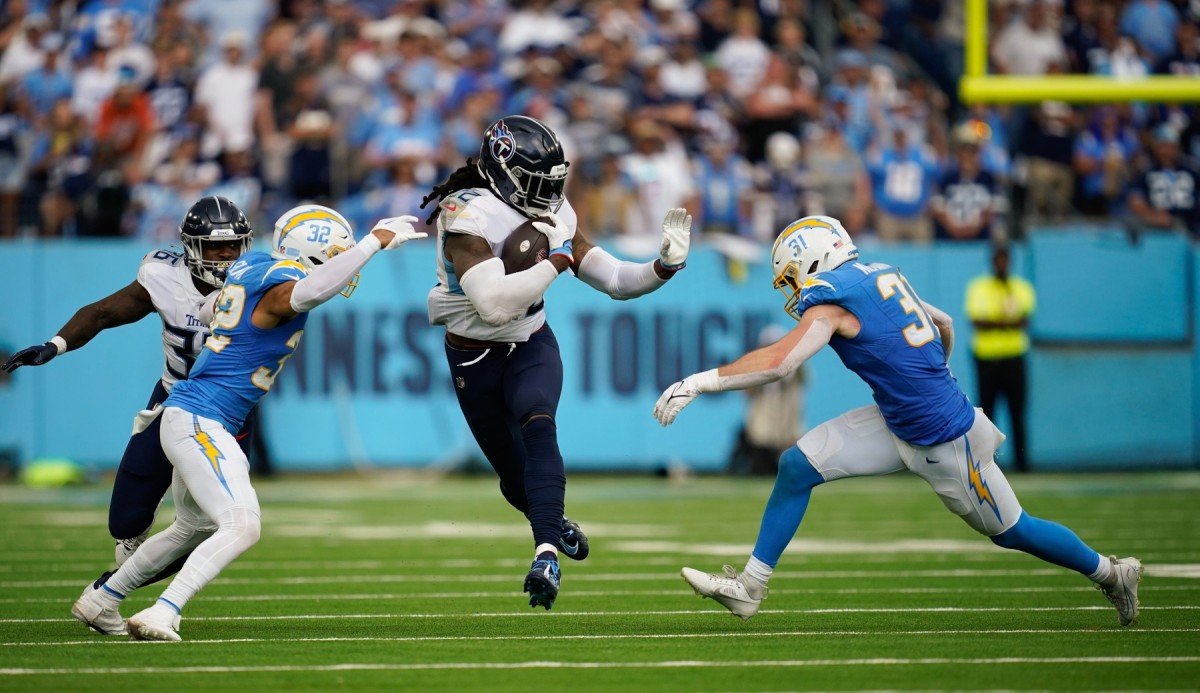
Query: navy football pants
[509, 396]
[143, 478]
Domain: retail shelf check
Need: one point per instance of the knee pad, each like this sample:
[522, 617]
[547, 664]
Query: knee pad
[242, 522]
[538, 419]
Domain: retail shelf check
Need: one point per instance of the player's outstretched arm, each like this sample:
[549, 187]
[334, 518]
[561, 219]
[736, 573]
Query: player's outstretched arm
[289, 299]
[944, 324]
[761, 366]
[624, 280]
[129, 304]
[500, 297]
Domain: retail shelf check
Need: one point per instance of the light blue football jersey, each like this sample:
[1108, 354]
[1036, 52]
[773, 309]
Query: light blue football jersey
[239, 361]
[898, 352]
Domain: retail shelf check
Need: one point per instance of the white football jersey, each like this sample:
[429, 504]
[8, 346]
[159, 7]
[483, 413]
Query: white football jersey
[167, 278]
[477, 212]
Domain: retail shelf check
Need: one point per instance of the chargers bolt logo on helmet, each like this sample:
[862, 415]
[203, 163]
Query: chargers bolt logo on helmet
[312, 235]
[806, 248]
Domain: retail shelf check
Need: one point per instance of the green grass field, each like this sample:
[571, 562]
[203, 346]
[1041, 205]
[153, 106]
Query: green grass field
[399, 582]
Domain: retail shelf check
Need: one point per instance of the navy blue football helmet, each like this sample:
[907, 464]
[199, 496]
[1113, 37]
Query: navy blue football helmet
[213, 220]
[523, 163]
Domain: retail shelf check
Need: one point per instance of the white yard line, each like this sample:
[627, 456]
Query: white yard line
[98, 640]
[673, 664]
[670, 612]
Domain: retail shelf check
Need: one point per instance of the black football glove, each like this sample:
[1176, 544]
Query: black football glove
[31, 356]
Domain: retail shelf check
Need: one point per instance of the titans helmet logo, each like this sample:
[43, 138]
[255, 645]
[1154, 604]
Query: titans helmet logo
[501, 143]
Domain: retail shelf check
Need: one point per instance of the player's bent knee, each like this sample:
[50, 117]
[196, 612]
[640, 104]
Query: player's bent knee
[540, 418]
[1015, 537]
[796, 471]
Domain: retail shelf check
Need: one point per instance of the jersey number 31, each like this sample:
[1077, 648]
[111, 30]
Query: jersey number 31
[920, 332]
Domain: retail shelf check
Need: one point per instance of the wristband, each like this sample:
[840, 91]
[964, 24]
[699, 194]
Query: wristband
[671, 268]
[707, 381]
[59, 343]
[564, 250]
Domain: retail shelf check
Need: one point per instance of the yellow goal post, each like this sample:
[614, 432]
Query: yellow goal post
[977, 86]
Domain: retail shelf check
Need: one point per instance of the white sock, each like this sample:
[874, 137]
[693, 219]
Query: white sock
[1104, 572]
[545, 547]
[758, 571]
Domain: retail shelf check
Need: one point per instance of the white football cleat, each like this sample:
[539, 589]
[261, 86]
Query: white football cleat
[97, 613]
[1126, 574]
[159, 622]
[734, 592]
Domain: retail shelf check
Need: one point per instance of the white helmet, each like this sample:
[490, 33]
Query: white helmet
[808, 247]
[311, 235]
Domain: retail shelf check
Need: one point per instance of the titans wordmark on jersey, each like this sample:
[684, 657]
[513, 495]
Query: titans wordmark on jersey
[240, 361]
[165, 276]
[897, 352]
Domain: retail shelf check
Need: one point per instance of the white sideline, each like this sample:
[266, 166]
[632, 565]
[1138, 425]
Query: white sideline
[670, 664]
[640, 636]
[672, 612]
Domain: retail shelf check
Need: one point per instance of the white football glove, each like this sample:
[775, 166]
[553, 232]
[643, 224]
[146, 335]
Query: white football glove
[558, 234]
[402, 227]
[676, 228]
[675, 398]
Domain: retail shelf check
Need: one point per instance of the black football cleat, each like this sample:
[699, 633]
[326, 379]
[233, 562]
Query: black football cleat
[572, 541]
[542, 582]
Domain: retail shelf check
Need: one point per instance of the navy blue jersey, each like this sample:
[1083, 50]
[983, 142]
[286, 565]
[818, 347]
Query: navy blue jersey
[1175, 190]
[966, 200]
[239, 361]
[898, 351]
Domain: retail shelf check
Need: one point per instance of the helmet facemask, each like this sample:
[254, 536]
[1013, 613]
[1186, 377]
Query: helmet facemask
[212, 272]
[536, 193]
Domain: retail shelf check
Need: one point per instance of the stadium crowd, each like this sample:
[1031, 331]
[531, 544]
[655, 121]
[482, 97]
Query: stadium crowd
[116, 114]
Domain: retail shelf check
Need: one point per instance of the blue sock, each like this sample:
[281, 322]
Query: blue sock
[785, 508]
[1050, 542]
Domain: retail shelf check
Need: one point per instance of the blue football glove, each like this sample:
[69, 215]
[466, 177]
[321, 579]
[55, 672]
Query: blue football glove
[31, 356]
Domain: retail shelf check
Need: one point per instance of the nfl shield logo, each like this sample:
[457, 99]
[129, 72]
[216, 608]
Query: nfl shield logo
[460, 382]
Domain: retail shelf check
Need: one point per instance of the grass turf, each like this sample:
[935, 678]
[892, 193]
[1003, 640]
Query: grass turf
[401, 582]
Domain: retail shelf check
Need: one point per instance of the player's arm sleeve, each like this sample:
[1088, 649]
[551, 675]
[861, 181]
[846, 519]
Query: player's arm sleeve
[771, 363]
[500, 297]
[944, 324]
[328, 280]
[620, 279]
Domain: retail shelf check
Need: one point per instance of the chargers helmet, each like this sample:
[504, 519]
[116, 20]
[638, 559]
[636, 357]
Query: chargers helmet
[523, 163]
[808, 247]
[312, 235]
[213, 220]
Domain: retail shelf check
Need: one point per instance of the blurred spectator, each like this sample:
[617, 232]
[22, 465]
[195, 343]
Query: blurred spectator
[107, 194]
[779, 104]
[1047, 148]
[967, 199]
[791, 45]
[999, 306]
[1082, 36]
[743, 55]
[127, 51]
[310, 127]
[1103, 156]
[683, 74]
[24, 51]
[94, 83]
[12, 164]
[475, 21]
[903, 175]
[535, 23]
[220, 19]
[782, 187]
[1165, 195]
[126, 119]
[50, 82]
[1152, 24]
[225, 92]
[1029, 45]
[59, 165]
[608, 202]
[862, 36]
[724, 185]
[837, 176]
[660, 174]
[185, 173]
[1185, 60]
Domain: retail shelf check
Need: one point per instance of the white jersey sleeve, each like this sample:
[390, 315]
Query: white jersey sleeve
[477, 212]
[165, 276]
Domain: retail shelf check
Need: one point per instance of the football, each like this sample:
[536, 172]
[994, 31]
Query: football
[524, 248]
